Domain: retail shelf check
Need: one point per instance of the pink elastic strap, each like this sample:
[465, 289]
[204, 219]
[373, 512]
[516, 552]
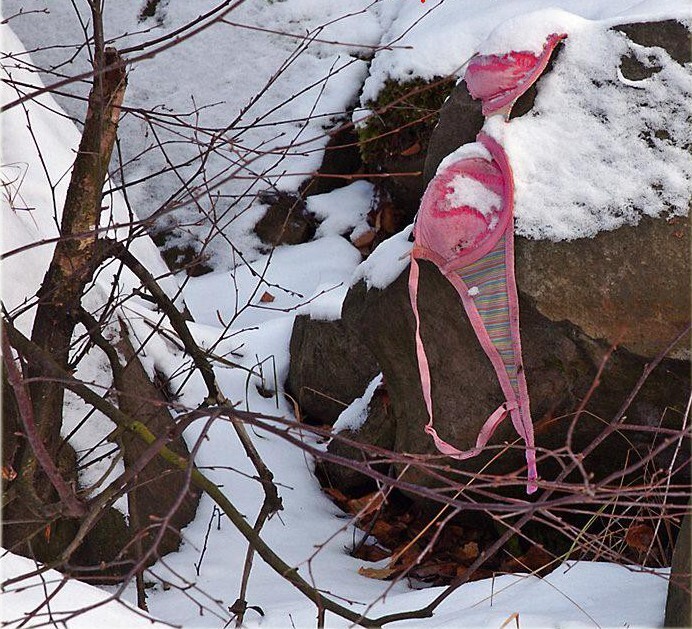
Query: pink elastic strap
[490, 424]
[518, 409]
[423, 366]
[521, 417]
[483, 436]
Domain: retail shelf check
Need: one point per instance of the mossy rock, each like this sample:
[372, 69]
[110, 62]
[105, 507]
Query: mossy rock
[405, 113]
[395, 139]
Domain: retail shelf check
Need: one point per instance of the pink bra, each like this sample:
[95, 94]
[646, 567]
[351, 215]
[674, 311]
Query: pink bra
[465, 226]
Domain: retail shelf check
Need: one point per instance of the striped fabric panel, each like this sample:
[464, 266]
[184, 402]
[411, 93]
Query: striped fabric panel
[489, 276]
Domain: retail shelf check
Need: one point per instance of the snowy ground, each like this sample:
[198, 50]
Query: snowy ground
[274, 139]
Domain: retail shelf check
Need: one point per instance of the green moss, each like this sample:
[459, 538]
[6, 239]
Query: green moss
[405, 115]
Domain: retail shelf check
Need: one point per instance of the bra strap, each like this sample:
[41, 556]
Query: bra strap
[490, 424]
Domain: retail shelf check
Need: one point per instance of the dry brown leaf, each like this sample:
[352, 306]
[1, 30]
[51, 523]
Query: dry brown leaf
[371, 552]
[366, 505]
[364, 240]
[335, 494]
[434, 569]
[406, 555]
[535, 560]
[414, 149]
[381, 574]
[639, 537]
[267, 298]
[383, 531]
[388, 218]
[467, 552]
[8, 472]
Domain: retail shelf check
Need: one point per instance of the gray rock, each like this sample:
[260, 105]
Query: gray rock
[560, 360]
[377, 431]
[286, 221]
[678, 611]
[628, 287]
[329, 368]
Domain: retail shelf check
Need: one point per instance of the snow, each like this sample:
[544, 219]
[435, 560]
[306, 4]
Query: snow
[387, 262]
[613, 168]
[467, 151]
[275, 141]
[344, 210]
[566, 598]
[438, 38]
[355, 414]
[66, 596]
[244, 312]
[528, 31]
[38, 148]
[468, 192]
[297, 277]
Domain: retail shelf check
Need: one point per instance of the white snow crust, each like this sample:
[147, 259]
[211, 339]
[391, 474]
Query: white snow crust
[67, 596]
[355, 414]
[387, 262]
[344, 210]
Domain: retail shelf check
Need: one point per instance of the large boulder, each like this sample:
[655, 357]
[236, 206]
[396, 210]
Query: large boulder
[561, 363]
[678, 608]
[627, 287]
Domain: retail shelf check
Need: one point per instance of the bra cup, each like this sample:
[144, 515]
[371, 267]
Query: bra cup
[499, 80]
[453, 230]
[454, 234]
[491, 76]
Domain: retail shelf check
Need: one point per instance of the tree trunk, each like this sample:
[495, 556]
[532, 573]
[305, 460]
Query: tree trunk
[28, 527]
[73, 263]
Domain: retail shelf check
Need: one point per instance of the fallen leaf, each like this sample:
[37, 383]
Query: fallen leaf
[362, 507]
[8, 472]
[406, 555]
[364, 240]
[381, 574]
[467, 552]
[371, 552]
[267, 298]
[535, 560]
[478, 574]
[431, 570]
[383, 531]
[639, 537]
[336, 495]
[389, 221]
[414, 149]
